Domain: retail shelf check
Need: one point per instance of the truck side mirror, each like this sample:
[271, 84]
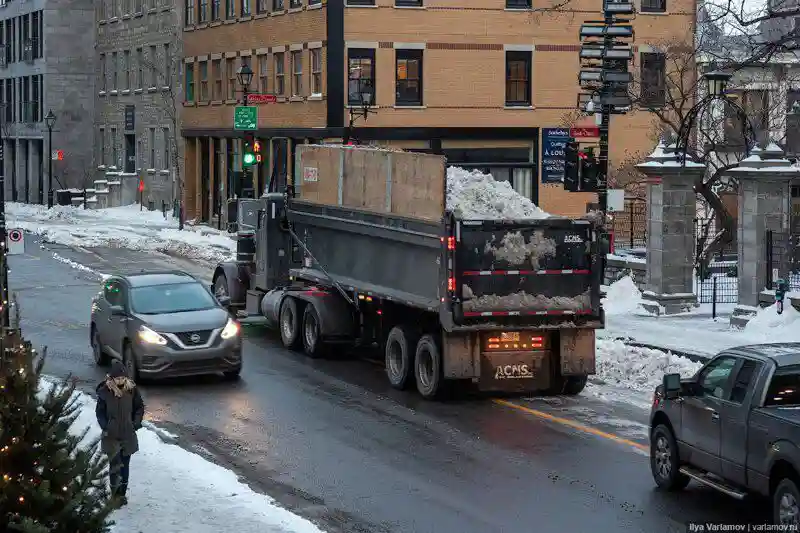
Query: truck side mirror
[672, 385]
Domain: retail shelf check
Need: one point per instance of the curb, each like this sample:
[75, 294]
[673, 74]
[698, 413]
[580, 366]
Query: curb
[697, 358]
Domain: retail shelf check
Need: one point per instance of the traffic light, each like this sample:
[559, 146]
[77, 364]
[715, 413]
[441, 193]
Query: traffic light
[257, 151]
[571, 168]
[248, 154]
[588, 174]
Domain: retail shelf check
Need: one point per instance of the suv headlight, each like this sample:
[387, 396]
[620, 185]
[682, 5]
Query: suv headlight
[148, 336]
[230, 330]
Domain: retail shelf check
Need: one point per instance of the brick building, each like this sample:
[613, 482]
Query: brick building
[476, 80]
[138, 56]
[44, 46]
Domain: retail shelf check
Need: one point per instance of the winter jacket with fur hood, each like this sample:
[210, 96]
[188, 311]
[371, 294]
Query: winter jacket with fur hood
[119, 411]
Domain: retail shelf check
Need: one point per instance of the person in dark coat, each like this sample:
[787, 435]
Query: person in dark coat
[120, 410]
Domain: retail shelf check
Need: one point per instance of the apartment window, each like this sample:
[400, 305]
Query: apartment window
[230, 9]
[10, 100]
[203, 81]
[280, 80]
[167, 82]
[262, 6]
[153, 66]
[408, 67]
[140, 67]
[9, 33]
[316, 71]
[654, 6]
[101, 147]
[230, 73]
[360, 75]
[138, 6]
[653, 79]
[114, 71]
[101, 10]
[203, 8]
[262, 73]
[36, 34]
[126, 68]
[245, 9]
[518, 78]
[293, 4]
[215, 10]
[216, 73]
[297, 73]
[152, 146]
[314, 2]
[188, 13]
[278, 5]
[189, 82]
[360, 2]
[34, 98]
[103, 72]
[152, 4]
[114, 9]
[114, 153]
[126, 7]
[519, 4]
[408, 3]
[166, 139]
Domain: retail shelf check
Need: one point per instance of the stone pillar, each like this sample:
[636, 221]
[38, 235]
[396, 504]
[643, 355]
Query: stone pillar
[764, 205]
[671, 210]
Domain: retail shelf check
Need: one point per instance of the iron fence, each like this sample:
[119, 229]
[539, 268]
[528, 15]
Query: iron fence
[717, 283]
[783, 259]
[630, 225]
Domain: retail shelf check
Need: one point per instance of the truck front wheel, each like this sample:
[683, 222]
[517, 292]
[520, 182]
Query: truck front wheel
[289, 323]
[664, 462]
[400, 345]
[786, 504]
[428, 368]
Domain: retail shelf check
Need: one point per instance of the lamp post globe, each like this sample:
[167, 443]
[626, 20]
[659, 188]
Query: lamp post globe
[50, 119]
[245, 76]
[717, 82]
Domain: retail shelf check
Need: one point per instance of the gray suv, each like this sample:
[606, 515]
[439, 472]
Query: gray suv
[164, 324]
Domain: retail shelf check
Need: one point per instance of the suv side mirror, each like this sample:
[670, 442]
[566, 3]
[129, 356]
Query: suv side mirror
[672, 385]
[224, 301]
[118, 310]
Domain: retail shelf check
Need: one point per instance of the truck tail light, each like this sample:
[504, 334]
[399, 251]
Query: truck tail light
[451, 243]
[451, 284]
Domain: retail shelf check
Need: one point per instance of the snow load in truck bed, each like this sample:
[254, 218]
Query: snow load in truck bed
[473, 195]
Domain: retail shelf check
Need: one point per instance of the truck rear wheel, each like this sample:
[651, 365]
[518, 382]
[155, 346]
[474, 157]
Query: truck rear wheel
[312, 336]
[574, 385]
[428, 368]
[289, 323]
[400, 346]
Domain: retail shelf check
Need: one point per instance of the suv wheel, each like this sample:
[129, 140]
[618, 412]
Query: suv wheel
[100, 357]
[664, 462]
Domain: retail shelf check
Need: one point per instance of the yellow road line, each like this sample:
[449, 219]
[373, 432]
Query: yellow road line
[574, 425]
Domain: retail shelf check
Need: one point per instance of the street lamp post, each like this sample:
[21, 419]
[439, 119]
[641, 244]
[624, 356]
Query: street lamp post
[245, 76]
[50, 120]
[363, 111]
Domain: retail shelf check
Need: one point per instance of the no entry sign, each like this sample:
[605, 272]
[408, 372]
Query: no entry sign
[15, 243]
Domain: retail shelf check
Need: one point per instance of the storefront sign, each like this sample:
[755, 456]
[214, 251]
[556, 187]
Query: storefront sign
[554, 140]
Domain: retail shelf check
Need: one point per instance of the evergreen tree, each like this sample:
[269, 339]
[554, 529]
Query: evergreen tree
[50, 482]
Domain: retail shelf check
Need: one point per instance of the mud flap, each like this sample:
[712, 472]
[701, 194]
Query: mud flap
[577, 354]
[520, 372]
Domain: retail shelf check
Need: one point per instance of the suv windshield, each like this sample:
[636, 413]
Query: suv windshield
[172, 298]
[785, 387]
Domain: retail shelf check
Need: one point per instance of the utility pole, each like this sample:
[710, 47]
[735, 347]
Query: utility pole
[5, 317]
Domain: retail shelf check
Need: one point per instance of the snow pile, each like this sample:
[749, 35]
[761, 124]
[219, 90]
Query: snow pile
[769, 326]
[637, 369]
[121, 227]
[183, 493]
[78, 266]
[622, 297]
[473, 195]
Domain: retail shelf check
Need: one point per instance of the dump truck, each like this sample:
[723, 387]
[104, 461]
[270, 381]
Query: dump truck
[361, 250]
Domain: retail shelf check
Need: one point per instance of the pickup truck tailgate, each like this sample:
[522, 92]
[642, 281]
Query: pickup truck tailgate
[535, 267]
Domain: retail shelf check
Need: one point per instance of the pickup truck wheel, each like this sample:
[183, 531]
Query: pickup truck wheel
[312, 335]
[786, 503]
[664, 461]
[289, 323]
[428, 368]
[400, 344]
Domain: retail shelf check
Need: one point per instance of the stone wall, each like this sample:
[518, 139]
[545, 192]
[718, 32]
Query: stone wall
[618, 267]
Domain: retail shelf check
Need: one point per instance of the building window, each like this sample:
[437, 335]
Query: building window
[216, 74]
[653, 80]
[203, 11]
[126, 68]
[152, 146]
[519, 4]
[215, 10]
[262, 6]
[126, 7]
[101, 10]
[103, 74]
[230, 9]
[35, 100]
[518, 78]
[114, 12]
[245, 9]
[152, 4]
[153, 66]
[408, 66]
[297, 73]
[408, 3]
[115, 71]
[230, 71]
[188, 13]
[165, 134]
[189, 82]
[280, 80]
[294, 4]
[101, 147]
[138, 6]
[316, 71]
[359, 2]
[204, 81]
[262, 73]
[360, 75]
[654, 6]
[314, 2]
[139, 68]
[114, 153]
[167, 82]
[278, 5]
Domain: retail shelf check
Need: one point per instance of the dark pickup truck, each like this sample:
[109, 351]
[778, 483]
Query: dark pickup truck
[734, 426]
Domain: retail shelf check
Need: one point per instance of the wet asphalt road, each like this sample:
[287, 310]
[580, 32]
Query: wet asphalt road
[331, 441]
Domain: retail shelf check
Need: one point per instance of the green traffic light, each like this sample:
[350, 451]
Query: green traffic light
[249, 159]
